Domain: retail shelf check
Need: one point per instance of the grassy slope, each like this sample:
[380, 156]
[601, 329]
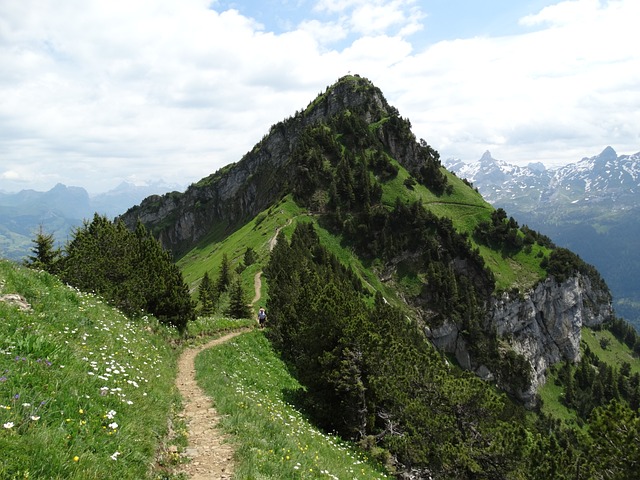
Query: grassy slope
[256, 234]
[75, 375]
[254, 390]
[464, 206]
[615, 354]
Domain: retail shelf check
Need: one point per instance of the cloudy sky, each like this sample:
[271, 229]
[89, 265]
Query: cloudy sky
[95, 92]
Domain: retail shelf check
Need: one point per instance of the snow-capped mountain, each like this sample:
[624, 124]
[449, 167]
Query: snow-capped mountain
[591, 207]
[604, 176]
[607, 178]
[497, 180]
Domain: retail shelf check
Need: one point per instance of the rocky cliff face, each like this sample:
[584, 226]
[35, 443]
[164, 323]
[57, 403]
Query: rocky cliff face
[240, 191]
[544, 325]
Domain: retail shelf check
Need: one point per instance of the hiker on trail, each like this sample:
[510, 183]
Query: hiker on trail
[262, 317]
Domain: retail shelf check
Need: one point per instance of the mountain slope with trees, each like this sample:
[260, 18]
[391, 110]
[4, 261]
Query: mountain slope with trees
[385, 257]
[590, 207]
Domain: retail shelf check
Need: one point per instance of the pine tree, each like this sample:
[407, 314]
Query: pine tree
[45, 255]
[238, 304]
[131, 270]
[207, 295]
[249, 256]
[224, 279]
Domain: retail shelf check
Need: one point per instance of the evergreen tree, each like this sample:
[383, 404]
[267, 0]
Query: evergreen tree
[45, 256]
[207, 295]
[238, 304]
[131, 270]
[615, 441]
[249, 256]
[224, 279]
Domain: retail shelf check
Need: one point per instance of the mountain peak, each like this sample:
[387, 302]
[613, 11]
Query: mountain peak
[487, 158]
[537, 167]
[351, 92]
[608, 154]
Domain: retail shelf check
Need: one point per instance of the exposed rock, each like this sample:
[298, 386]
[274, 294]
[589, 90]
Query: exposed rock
[240, 191]
[17, 300]
[544, 325]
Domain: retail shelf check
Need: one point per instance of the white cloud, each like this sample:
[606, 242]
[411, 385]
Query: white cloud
[564, 13]
[375, 17]
[94, 92]
[324, 32]
[562, 92]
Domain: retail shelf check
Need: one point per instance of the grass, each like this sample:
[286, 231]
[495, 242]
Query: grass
[204, 328]
[551, 395]
[615, 353]
[86, 393]
[75, 376]
[466, 208]
[256, 234]
[252, 389]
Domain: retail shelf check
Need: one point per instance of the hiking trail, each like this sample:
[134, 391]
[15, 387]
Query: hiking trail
[257, 280]
[210, 454]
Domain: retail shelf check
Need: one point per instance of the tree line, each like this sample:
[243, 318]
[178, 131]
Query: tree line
[370, 374]
[130, 269]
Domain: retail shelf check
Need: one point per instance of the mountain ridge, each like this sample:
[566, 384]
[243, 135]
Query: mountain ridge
[419, 320]
[590, 206]
[352, 119]
[61, 209]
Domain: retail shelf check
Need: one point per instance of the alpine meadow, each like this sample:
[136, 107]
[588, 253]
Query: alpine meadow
[413, 330]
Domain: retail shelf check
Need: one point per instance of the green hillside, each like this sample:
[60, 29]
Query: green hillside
[76, 374]
[252, 387]
[393, 235]
[367, 255]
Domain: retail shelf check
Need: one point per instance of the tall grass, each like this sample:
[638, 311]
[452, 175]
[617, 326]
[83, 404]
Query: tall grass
[84, 392]
[253, 390]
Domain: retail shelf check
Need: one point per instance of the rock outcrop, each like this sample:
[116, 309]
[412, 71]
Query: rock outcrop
[544, 325]
[240, 191]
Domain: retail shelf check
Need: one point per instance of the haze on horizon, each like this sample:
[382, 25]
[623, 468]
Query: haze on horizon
[95, 93]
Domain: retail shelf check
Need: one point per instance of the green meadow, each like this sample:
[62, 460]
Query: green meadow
[86, 393]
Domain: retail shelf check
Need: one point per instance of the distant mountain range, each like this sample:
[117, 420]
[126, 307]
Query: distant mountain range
[61, 209]
[591, 207]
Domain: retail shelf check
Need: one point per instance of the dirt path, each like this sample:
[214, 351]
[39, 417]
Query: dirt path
[257, 280]
[257, 286]
[211, 457]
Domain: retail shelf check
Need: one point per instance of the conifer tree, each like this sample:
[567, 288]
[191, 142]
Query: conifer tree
[224, 279]
[45, 255]
[238, 304]
[131, 270]
[249, 256]
[207, 295]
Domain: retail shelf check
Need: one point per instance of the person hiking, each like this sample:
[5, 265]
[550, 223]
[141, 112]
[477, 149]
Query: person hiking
[262, 317]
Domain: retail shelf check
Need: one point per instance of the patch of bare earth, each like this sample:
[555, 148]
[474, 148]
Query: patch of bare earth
[210, 453]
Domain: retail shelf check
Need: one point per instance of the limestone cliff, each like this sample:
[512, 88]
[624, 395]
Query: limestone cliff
[544, 325]
[240, 191]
